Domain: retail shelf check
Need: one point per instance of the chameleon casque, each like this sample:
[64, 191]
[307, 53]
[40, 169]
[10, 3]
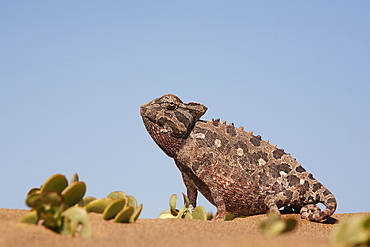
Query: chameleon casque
[235, 170]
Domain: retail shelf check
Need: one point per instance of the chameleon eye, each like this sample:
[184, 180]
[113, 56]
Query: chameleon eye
[171, 106]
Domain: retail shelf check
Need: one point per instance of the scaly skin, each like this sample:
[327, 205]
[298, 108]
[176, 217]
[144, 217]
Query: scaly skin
[235, 170]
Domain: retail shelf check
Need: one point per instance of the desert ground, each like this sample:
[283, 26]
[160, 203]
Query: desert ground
[167, 232]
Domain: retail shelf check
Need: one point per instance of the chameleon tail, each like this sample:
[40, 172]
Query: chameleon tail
[313, 212]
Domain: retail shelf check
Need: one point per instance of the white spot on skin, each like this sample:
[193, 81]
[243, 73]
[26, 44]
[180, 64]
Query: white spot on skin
[261, 162]
[218, 143]
[240, 152]
[282, 173]
[199, 135]
[301, 181]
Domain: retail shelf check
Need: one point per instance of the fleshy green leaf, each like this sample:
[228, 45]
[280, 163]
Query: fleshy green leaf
[53, 197]
[186, 200]
[113, 208]
[74, 193]
[182, 212]
[98, 205]
[199, 213]
[166, 214]
[30, 218]
[117, 195]
[188, 216]
[33, 191]
[34, 201]
[274, 225]
[136, 213]
[290, 225]
[209, 215]
[86, 201]
[230, 216]
[50, 221]
[74, 178]
[353, 231]
[131, 201]
[173, 200]
[124, 215]
[76, 222]
[57, 182]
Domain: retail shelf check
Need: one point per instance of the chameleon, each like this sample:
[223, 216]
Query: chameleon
[235, 170]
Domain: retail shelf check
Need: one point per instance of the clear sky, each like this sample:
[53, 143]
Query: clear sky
[73, 75]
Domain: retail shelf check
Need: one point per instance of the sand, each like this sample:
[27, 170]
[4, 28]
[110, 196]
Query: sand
[166, 232]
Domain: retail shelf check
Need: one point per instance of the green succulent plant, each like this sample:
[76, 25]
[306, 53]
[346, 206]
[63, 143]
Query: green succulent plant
[52, 206]
[62, 208]
[117, 206]
[354, 231]
[198, 212]
[275, 225]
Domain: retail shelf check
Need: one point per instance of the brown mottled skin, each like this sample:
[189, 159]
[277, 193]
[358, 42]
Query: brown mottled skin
[236, 171]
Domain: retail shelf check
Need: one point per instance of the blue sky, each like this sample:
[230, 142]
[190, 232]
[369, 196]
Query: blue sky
[73, 75]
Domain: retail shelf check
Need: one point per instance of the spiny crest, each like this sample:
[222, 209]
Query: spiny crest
[216, 121]
[259, 137]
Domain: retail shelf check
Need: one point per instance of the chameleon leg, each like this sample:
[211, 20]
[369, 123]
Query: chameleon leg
[271, 205]
[273, 202]
[191, 190]
[192, 194]
[221, 209]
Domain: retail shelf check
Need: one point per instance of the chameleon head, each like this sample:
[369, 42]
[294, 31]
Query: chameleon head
[169, 115]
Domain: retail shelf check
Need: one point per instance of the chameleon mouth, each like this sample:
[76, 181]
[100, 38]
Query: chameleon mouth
[150, 124]
[164, 140]
[151, 127]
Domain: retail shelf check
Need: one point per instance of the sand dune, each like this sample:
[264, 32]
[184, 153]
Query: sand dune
[166, 232]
